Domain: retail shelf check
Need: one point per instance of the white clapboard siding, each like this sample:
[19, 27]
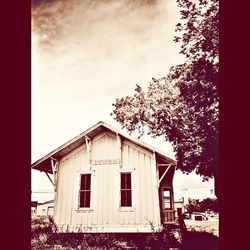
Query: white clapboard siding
[105, 213]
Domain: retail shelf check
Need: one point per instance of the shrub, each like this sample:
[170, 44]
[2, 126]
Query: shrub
[42, 225]
[46, 236]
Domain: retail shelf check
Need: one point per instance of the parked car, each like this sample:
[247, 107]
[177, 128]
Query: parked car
[199, 216]
[215, 215]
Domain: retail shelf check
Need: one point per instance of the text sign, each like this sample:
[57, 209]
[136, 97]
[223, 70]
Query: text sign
[105, 162]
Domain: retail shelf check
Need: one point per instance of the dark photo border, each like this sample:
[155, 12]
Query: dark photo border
[15, 124]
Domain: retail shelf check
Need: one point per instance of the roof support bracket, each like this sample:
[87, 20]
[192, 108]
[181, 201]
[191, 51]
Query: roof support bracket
[165, 172]
[88, 145]
[50, 179]
[54, 166]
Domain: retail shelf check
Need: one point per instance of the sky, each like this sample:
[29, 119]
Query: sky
[85, 54]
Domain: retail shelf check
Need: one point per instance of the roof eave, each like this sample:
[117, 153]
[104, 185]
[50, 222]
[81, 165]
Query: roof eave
[79, 140]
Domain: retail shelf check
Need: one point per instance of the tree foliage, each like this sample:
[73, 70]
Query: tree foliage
[183, 106]
[194, 205]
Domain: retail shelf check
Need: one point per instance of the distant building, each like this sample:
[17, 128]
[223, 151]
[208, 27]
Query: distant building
[33, 208]
[179, 204]
[45, 209]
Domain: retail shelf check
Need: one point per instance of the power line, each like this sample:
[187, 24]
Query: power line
[198, 185]
[193, 188]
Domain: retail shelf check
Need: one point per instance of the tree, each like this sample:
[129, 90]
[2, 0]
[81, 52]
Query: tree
[183, 106]
[209, 204]
[194, 205]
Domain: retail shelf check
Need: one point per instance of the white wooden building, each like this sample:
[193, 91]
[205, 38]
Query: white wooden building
[106, 181]
[45, 208]
[33, 208]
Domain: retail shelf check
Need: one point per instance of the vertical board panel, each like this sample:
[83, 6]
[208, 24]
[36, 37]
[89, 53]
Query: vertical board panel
[57, 211]
[116, 192]
[105, 194]
[67, 193]
[60, 192]
[70, 170]
[109, 197]
[74, 166]
[69, 174]
[142, 188]
[95, 197]
[149, 185]
[111, 170]
[138, 189]
[125, 163]
[75, 186]
[99, 201]
[57, 215]
[131, 215]
[64, 188]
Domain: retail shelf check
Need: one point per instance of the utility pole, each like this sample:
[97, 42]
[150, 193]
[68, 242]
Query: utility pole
[184, 195]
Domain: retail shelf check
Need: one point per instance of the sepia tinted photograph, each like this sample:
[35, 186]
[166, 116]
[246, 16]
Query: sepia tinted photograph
[125, 124]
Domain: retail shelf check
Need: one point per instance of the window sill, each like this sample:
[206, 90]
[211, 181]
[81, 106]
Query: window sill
[84, 210]
[126, 209]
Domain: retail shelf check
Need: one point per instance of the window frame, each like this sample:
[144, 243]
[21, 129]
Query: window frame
[79, 191]
[170, 189]
[131, 189]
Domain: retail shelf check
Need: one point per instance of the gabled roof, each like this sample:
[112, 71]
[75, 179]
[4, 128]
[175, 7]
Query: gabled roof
[34, 203]
[44, 164]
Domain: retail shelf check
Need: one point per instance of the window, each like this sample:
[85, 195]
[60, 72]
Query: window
[85, 191]
[166, 199]
[126, 190]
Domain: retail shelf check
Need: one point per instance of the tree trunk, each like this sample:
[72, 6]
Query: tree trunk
[217, 186]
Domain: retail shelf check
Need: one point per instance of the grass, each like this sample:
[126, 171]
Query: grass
[44, 236]
[209, 226]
